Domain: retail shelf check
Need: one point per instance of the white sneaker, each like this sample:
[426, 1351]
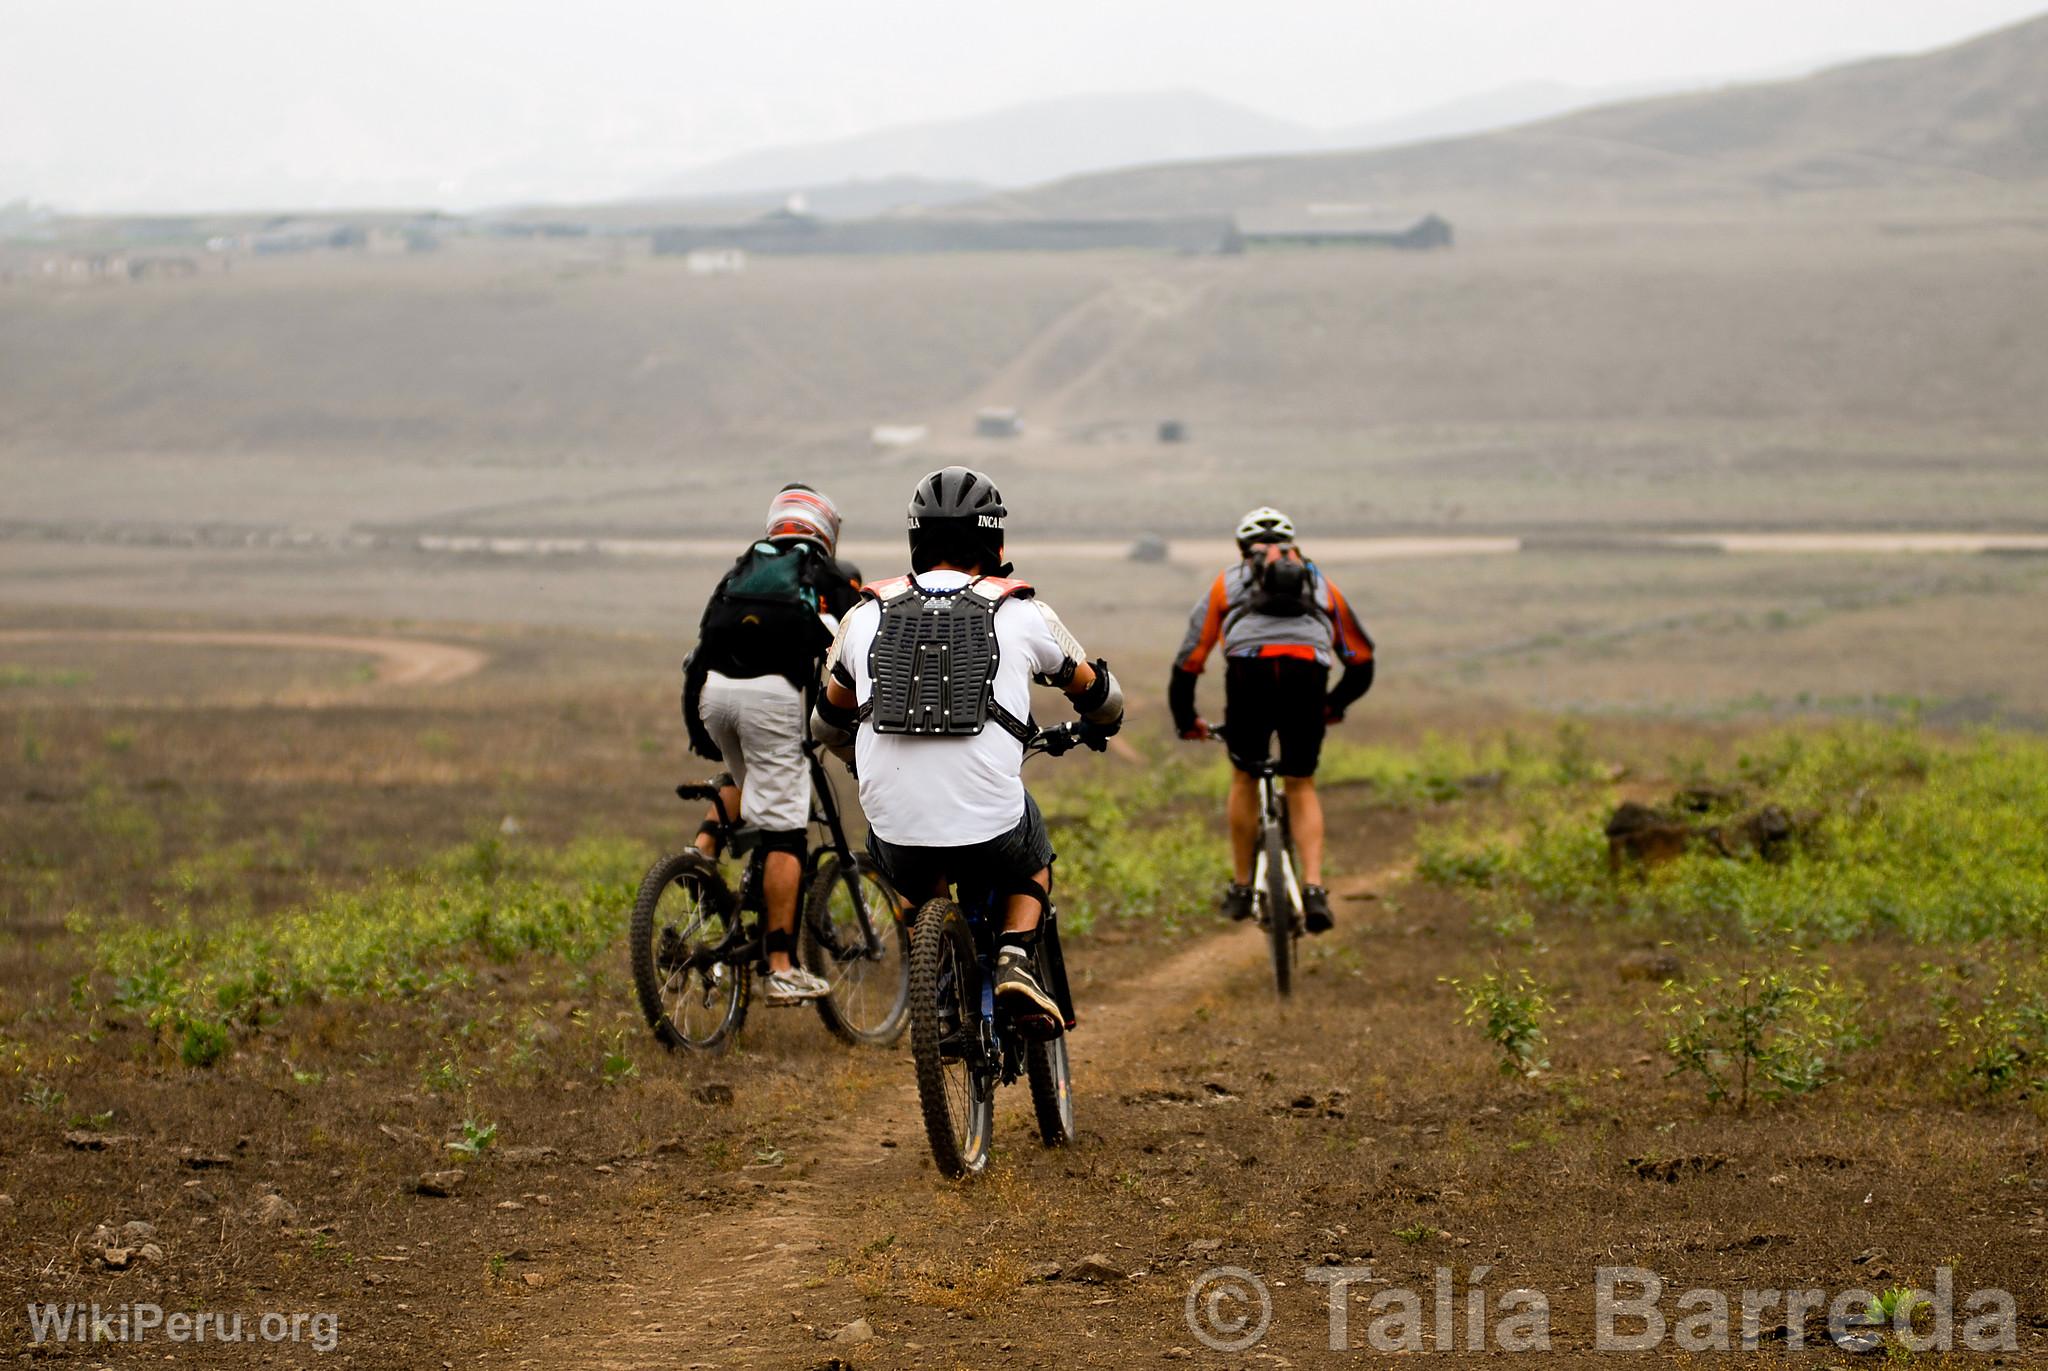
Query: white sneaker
[795, 986]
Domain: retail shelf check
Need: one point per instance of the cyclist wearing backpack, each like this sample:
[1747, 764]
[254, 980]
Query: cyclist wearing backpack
[930, 681]
[745, 687]
[1282, 625]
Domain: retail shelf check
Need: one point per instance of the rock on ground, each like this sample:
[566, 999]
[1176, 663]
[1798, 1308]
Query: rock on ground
[860, 1330]
[1096, 1269]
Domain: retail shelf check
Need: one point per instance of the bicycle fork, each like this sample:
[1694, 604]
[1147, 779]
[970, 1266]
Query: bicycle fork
[994, 1050]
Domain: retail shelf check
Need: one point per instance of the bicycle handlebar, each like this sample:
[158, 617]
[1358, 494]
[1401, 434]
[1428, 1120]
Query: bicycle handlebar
[1064, 738]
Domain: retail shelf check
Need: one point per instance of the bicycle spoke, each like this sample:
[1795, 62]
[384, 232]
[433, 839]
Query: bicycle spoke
[868, 975]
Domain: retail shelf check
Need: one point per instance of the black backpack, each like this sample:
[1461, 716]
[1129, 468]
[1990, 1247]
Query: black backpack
[763, 618]
[1282, 582]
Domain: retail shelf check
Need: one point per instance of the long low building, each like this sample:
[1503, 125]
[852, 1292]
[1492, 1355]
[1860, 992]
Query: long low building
[1341, 226]
[801, 233]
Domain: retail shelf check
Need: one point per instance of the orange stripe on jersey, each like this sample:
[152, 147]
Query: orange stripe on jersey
[1299, 651]
[1212, 625]
[1354, 645]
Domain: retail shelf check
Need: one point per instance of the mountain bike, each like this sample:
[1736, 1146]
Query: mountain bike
[1276, 880]
[963, 1043]
[696, 942]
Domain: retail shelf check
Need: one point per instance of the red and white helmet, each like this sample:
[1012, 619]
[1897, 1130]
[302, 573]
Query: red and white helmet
[797, 511]
[1264, 525]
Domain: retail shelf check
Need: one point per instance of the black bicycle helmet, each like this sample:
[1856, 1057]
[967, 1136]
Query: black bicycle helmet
[956, 516]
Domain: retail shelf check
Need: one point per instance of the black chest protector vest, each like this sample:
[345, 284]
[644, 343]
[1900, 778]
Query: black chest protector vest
[934, 657]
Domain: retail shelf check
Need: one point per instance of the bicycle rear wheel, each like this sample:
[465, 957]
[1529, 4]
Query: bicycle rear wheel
[870, 1000]
[683, 911]
[1281, 915]
[1052, 1090]
[955, 1087]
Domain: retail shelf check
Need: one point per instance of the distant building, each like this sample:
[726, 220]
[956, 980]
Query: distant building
[146, 268]
[302, 235]
[397, 240]
[1341, 226]
[522, 228]
[997, 423]
[117, 266]
[86, 266]
[715, 261]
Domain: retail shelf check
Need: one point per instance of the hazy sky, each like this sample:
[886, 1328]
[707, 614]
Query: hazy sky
[173, 104]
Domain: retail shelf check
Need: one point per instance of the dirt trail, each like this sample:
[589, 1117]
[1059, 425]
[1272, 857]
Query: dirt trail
[654, 1314]
[399, 661]
[1119, 316]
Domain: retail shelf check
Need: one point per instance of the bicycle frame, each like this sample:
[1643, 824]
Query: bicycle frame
[745, 941]
[996, 1044]
[1272, 814]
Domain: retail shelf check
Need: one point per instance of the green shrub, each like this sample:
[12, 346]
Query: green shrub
[1934, 843]
[1444, 769]
[1758, 1033]
[1453, 856]
[1138, 846]
[403, 936]
[477, 1138]
[1510, 1013]
[1999, 1043]
[204, 1042]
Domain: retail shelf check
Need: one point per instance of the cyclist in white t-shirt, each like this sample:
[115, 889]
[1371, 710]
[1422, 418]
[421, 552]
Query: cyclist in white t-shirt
[930, 681]
[759, 644]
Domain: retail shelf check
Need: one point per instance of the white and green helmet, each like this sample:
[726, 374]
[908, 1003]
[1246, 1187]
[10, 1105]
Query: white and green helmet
[1264, 525]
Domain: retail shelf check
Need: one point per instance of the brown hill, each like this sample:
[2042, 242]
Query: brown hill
[1970, 116]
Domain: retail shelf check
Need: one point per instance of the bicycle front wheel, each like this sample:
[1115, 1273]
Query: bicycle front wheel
[689, 997]
[1281, 915]
[1052, 1090]
[956, 1087]
[870, 1000]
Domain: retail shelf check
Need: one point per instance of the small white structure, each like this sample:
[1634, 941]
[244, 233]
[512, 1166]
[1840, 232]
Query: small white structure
[716, 261]
[897, 435]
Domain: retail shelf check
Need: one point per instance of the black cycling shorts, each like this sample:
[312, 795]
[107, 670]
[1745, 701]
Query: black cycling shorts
[1000, 865]
[1265, 696]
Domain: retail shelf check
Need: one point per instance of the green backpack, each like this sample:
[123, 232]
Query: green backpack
[763, 618]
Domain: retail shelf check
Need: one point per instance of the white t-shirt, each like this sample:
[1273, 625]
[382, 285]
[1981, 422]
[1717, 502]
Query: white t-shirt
[949, 792]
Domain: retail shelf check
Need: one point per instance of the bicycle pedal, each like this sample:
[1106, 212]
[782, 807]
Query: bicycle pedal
[1038, 1028]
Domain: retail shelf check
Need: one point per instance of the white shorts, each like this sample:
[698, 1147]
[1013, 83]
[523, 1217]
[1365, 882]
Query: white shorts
[758, 724]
